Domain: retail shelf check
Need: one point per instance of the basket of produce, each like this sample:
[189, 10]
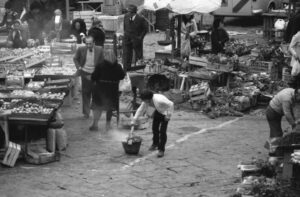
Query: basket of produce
[132, 144]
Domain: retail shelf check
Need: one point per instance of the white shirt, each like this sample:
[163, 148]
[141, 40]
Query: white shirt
[161, 103]
[295, 51]
[89, 66]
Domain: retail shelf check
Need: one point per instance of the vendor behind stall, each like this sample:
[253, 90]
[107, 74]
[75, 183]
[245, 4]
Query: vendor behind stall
[282, 104]
[188, 31]
[97, 32]
[219, 36]
[36, 22]
[9, 17]
[58, 28]
[17, 37]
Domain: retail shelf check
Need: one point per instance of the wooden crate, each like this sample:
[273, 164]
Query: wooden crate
[11, 154]
[256, 66]
[112, 23]
[198, 61]
[220, 67]
[113, 10]
[86, 16]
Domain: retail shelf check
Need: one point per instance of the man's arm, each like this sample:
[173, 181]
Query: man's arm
[139, 112]
[287, 110]
[76, 58]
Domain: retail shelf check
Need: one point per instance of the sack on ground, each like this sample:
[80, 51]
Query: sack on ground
[61, 139]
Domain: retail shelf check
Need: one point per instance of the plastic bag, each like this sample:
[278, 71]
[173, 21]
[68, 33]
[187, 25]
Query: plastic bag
[279, 24]
[125, 84]
[186, 48]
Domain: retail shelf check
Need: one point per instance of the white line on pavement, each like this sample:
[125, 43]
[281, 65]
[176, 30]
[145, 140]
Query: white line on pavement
[180, 140]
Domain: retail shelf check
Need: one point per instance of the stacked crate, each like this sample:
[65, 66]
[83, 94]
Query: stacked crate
[86, 16]
[198, 94]
[112, 7]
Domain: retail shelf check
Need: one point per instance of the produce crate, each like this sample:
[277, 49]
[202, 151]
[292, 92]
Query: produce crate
[256, 66]
[112, 23]
[86, 16]
[113, 10]
[220, 67]
[198, 61]
[12, 154]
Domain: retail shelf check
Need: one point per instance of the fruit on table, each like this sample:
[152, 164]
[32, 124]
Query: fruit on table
[31, 108]
[49, 95]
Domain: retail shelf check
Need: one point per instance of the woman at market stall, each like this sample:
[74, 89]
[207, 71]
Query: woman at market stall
[105, 93]
[36, 22]
[78, 30]
[219, 36]
[17, 37]
[9, 17]
[188, 32]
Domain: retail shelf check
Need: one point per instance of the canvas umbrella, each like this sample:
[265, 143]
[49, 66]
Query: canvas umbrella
[183, 6]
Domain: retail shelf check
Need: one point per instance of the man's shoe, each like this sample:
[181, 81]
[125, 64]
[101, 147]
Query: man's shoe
[153, 148]
[160, 153]
[93, 128]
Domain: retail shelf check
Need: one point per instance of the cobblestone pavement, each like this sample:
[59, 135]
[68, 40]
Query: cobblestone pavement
[200, 160]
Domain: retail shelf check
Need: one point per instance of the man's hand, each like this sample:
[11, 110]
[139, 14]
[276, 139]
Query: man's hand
[167, 118]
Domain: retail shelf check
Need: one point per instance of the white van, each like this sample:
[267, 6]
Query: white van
[247, 7]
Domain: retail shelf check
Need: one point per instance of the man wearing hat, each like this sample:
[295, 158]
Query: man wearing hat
[17, 36]
[135, 29]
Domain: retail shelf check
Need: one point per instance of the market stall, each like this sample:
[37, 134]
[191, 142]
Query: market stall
[34, 85]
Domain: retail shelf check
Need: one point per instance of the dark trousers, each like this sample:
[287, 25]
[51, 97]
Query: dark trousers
[274, 120]
[87, 86]
[159, 129]
[130, 45]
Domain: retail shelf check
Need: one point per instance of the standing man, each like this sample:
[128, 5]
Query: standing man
[281, 105]
[85, 59]
[135, 29]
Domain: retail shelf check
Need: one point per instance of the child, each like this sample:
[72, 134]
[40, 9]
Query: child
[162, 114]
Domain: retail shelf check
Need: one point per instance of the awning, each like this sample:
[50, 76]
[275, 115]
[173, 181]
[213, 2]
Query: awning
[182, 6]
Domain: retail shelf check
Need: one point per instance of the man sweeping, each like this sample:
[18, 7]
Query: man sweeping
[162, 114]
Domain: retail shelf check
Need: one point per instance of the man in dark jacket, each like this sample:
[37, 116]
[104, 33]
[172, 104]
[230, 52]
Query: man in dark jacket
[135, 29]
[97, 32]
[293, 27]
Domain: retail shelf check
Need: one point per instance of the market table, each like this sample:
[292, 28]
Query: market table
[30, 121]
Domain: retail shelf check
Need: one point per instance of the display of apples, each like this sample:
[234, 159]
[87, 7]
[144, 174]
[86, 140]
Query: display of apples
[31, 108]
[49, 95]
